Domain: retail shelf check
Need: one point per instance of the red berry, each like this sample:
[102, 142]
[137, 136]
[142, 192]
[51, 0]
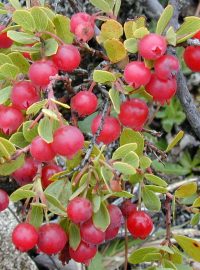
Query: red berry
[115, 216]
[152, 46]
[80, 18]
[192, 58]
[67, 58]
[161, 91]
[5, 41]
[128, 208]
[4, 200]
[52, 238]
[47, 172]
[68, 140]
[139, 224]
[84, 31]
[24, 237]
[111, 233]
[197, 35]
[83, 253]
[84, 103]
[90, 234]
[41, 150]
[41, 71]
[10, 119]
[79, 210]
[27, 172]
[111, 129]
[166, 67]
[24, 94]
[137, 74]
[134, 113]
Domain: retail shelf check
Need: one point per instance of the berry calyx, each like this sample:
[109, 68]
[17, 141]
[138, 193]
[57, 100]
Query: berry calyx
[133, 113]
[140, 224]
[128, 208]
[137, 74]
[52, 238]
[47, 172]
[5, 41]
[68, 140]
[41, 150]
[80, 18]
[111, 129]
[152, 46]
[41, 71]
[67, 58]
[166, 67]
[4, 200]
[192, 58]
[24, 94]
[90, 234]
[115, 216]
[24, 237]
[27, 172]
[79, 210]
[84, 103]
[161, 91]
[83, 253]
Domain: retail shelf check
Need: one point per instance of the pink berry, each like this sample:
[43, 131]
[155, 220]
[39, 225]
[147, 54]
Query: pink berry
[24, 237]
[10, 119]
[5, 41]
[52, 238]
[152, 46]
[79, 210]
[192, 58]
[68, 140]
[111, 233]
[111, 129]
[4, 200]
[161, 91]
[80, 18]
[166, 67]
[67, 58]
[90, 234]
[128, 208]
[41, 150]
[115, 216]
[27, 172]
[84, 31]
[83, 253]
[137, 74]
[23, 95]
[84, 103]
[47, 172]
[133, 113]
[41, 71]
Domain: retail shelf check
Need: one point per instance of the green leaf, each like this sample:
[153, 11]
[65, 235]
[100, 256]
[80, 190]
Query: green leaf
[5, 94]
[18, 140]
[145, 162]
[96, 203]
[20, 61]
[62, 25]
[50, 47]
[102, 5]
[186, 190]
[117, 7]
[24, 19]
[115, 50]
[5, 59]
[79, 191]
[124, 168]
[187, 30]
[170, 168]
[138, 255]
[20, 194]
[36, 107]
[155, 180]
[131, 45]
[176, 139]
[54, 202]
[40, 17]
[132, 159]
[196, 203]
[123, 150]
[97, 262]
[156, 188]
[101, 76]
[29, 134]
[168, 264]
[115, 98]
[123, 194]
[151, 200]
[64, 105]
[36, 216]
[171, 36]
[15, 3]
[21, 37]
[195, 219]
[190, 246]
[151, 257]
[50, 114]
[164, 19]
[11, 166]
[9, 71]
[107, 176]
[101, 219]
[3, 151]
[10, 148]
[45, 129]
[111, 29]
[74, 236]
[141, 32]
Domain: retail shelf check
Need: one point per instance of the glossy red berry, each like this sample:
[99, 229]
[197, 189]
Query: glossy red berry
[152, 46]
[68, 140]
[192, 58]
[27, 172]
[79, 210]
[90, 234]
[197, 35]
[166, 67]
[84, 31]
[128, 208]
[67, 58]
[83, 253]
[111, 233]
[41, 150]
[52, 238]
[10, 119]
[5, 41]
[80, 18]
[133, 113]
[84, 103]
[137, 74]
[4, 200]
[47, 172]
[140, 224]
[24, 94]
[41, 71]
[115, 216]
[24, 237]
[111, 129]
[161, 91]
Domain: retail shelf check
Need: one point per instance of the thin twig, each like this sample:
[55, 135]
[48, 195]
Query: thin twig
[13, 213]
